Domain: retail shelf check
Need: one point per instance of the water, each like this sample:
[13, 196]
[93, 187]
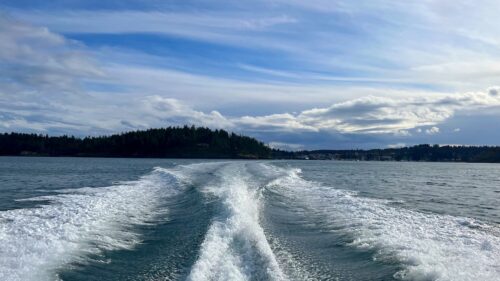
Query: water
[146, 219]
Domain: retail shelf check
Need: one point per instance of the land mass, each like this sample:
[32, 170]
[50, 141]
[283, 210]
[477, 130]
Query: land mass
[422, 152]
[171, 142]
[198, 142]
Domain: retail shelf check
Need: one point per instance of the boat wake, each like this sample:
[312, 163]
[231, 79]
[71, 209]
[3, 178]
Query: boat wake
[235, 247]
[79, 223]
[428, 246]
[238, 241]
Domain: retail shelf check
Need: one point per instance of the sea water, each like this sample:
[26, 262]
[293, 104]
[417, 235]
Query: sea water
[156, 219]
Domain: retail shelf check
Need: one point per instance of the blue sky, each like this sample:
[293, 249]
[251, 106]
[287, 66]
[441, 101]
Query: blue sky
[295, 74]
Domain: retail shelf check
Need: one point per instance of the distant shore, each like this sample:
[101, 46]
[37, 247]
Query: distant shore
[417, 153]
[203, 143]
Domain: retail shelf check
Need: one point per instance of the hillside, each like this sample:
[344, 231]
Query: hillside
[423, 152]
[171, 142]
[198, 142]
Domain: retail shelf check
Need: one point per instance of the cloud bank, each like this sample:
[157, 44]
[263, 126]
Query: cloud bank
[299, 73]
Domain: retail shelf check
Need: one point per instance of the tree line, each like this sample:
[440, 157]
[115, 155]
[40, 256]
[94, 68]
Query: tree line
[422, 152]
[200, 142]
[171, 142]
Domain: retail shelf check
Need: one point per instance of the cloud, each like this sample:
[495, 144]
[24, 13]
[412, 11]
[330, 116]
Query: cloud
[286, 146]
[336, 79]
[41, 64]
[167, 111]
[192, 24]
[283, 122]
[36, 59]
[232, 28]
[396, 145]
[314, 42]
[377, 115]
[445, 45]
[206, 90]
[432, 131]
[369, 115]
[493, 91]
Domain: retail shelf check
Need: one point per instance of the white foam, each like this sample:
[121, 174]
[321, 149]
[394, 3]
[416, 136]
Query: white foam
[430, 246]
[36, 242]
[235, 246]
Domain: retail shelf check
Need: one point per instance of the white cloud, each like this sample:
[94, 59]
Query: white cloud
[41, 78]
[376, 115]
[286, 146]
[283, 122]
[232, 28]
[172, 22]
[169, 111]
[316, 44]
[205, 91]
[432, 131]
[396, 145]
[36, 59]
[42, 89]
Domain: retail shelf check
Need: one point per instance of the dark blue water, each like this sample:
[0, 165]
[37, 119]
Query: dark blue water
[150, 219]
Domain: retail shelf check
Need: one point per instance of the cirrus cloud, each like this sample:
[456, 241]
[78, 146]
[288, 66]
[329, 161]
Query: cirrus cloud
[55, 85]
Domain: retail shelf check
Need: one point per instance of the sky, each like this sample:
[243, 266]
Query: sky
[295, 74]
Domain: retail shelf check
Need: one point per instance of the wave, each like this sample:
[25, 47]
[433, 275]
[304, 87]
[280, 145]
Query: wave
[429, 246]
[235, 246]
[79, 223]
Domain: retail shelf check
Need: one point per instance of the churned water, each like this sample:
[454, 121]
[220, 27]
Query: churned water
[147, 219]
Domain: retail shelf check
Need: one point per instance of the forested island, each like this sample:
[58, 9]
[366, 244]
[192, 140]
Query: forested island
[422, 152]
[171, 142]
[198, 142]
